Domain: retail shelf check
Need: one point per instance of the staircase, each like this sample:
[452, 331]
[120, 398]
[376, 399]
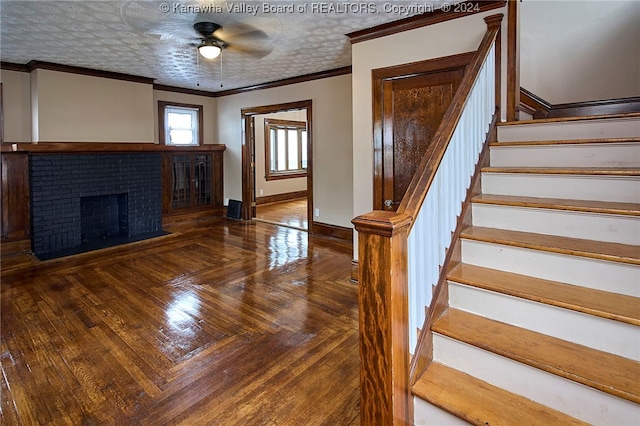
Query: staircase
[543, 323]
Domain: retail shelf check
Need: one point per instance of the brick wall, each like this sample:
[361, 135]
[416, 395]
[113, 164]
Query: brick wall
[59, 181]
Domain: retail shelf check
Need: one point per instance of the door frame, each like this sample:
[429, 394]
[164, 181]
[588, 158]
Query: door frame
[378, 78]
[249, 149]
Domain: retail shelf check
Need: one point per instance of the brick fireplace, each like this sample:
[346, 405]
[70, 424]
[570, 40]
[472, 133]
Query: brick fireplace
[81, 202]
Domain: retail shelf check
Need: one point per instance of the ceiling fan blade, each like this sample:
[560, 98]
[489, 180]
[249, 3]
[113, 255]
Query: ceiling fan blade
[241, 31]
[256, 52]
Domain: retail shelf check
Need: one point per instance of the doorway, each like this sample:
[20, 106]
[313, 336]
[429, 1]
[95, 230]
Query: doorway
[409, 103]
[277, 166]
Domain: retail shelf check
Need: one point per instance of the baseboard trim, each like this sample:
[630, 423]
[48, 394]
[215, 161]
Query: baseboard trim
[354, 271]
[190, 216]
[278, 198]
[15, 247]
[332, 231]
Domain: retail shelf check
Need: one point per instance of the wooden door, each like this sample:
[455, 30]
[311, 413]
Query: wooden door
[409, 103]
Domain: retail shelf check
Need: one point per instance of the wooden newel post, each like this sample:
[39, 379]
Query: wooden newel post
[385, 394]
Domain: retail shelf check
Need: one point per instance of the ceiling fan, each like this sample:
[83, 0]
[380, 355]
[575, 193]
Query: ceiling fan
[213, 39]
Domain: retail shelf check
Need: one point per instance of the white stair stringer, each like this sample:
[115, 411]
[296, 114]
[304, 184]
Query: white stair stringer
[602, 334]
[567, 396]
[624, 189]
[615, 277]
[624, 229]
[566, 155]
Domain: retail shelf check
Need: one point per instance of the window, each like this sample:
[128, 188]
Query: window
[286, 149]
[180, 124]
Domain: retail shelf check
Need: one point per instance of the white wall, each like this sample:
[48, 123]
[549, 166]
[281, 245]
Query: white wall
[332, 143]
[209, 112]
[16, 105]
[266, 187]
[434, 41]
[574, 51]
[80, 108]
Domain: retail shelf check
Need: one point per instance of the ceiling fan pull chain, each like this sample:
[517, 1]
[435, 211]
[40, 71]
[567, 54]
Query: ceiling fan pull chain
[221, 85]
[197, 68]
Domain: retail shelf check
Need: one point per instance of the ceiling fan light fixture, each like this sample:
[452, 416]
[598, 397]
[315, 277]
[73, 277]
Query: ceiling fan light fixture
[209, 49]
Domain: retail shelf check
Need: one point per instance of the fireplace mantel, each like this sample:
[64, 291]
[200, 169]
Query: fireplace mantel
[98, 147]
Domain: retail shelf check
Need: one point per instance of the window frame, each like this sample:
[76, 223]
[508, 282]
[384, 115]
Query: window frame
[300, 126]
[163, 131]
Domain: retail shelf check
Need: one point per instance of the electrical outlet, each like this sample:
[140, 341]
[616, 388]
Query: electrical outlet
[261, 192]
[317, 213]
[226, 201]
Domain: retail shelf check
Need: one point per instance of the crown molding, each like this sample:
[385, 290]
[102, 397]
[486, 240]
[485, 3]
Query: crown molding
[184, 90]
[10, 66]
[285, 82]
[423, 20]
[42, 65]
[33, 65]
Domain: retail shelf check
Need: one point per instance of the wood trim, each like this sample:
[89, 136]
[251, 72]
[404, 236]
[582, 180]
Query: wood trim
[10, 66]
[419, 21]
[1, 114]
[589, 108]
[97, 147]
[354, 271]
[332, 231]
[41, 65]
[440, 301]
[381, 76]
[539, 106]
[513, 60]
[278, 198]
[192, 215]
[417, 190]
[385, 395]
[287, 81]
[161, 134]
[185, 91]
[270, 175]
[248, 151]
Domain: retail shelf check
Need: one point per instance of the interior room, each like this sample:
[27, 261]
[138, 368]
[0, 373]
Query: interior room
[376, 213]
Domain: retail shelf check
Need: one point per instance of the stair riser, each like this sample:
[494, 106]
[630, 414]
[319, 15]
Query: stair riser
[426, 414]
[589, 226]
[598, 274]
[587, 330]
[574, 187]
[564, 395]
[590, 129]
[581, 155]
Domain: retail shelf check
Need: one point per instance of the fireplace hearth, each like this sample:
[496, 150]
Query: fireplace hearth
[82, 202]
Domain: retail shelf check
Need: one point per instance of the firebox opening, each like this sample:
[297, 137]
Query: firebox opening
[103, 217]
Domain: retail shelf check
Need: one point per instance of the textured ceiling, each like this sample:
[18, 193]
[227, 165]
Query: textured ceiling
[156, 38]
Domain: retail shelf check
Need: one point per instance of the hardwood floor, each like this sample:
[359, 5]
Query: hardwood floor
[220, 323]
[292, 214]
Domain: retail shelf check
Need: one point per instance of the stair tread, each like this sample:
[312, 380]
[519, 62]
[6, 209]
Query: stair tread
[596, 171]
[600, 370]
[568, 119]
[600, 303]
[632, 209]
[565, 142]
[615, 252]
[481, 403]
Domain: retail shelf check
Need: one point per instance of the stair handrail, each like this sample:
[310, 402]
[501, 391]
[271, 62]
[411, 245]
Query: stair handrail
[383, 267]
